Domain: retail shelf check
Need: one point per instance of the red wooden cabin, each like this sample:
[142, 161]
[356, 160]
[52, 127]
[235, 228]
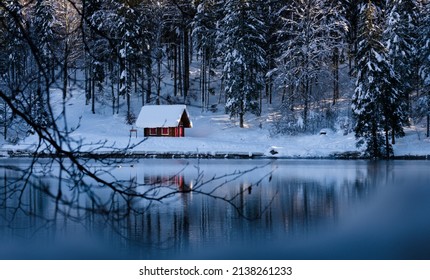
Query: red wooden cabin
[164, 120]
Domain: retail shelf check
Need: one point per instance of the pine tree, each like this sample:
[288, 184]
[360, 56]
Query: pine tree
[424, 56]
[243, 62]
[96, 34]
[273, 24]
[17, 67]
[310, 34]
[376, 101]
[352, 9]
[66, 27]
[337, 32]
[205, 32]
[41, 22]
[401, 37]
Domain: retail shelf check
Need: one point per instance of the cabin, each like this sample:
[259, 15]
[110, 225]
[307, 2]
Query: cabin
[164, 120]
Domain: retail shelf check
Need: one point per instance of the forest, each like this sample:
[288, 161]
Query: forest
[363, 66]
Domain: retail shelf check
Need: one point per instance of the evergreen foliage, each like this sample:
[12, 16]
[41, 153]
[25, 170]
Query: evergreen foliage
[376, 103]
[423, 103]
[205, 23]
[402, 38]
[244, 58]
[311, 33]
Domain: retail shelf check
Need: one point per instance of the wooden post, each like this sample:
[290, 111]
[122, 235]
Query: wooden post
[133, 130]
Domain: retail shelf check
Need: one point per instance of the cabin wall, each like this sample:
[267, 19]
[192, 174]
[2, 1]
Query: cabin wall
[161, 132]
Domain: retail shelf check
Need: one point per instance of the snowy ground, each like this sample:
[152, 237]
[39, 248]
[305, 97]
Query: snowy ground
[213, 134]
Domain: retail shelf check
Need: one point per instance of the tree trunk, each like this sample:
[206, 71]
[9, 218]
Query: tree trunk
[306, 104]
[375, 144]
[113, 97]
[180, 77]
[208, 83]
[136, 88]
[128, 107]
[203, 81]
[284, 92]
[93, 95]
[65, 71]
[387, 144]
[159, 57]
[336, 92]
[86, 86]
[142, 83]
[260, 110]
[428, 125]
[186, 64]
[148, 78]
[175, 70]
[118, 93]
[241, 121]
[5, 121]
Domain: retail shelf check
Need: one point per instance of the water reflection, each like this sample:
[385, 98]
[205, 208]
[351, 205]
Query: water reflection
[218, 209]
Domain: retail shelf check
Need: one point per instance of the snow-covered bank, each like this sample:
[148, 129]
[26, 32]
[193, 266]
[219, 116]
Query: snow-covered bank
[212, 135]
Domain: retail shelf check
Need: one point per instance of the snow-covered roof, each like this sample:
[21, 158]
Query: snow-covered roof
[152, 116]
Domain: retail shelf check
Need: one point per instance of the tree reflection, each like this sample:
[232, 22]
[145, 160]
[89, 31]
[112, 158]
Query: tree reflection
[159, 215]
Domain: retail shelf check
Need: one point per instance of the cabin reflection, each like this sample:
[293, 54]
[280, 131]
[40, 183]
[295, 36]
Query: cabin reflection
[176, 180]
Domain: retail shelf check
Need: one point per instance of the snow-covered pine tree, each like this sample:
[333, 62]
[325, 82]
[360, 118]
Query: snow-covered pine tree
[376, 99]
[401, 39]
[5, 112]
[241, 36]
[273, 24]
[126, 34]
[352, 8]
[41, 22]
[14, 81]
[145, 22]
[66, 26]
[175, 26]
[337, 32]
[96, 33]
[424, 56]
[310, 33]
[204, 32]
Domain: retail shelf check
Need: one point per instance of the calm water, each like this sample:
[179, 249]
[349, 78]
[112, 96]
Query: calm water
[218, 209]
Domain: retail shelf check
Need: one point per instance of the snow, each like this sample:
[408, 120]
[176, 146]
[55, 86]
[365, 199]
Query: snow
[160, 116]
[212, 134]
[378, 56]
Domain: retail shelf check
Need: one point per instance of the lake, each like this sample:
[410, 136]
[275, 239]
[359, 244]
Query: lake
[216, 209]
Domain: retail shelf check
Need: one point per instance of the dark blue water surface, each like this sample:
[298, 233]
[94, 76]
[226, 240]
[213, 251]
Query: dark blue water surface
[217, 209]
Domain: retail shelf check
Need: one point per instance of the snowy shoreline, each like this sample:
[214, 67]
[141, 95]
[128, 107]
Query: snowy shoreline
[214, 135]
[190, 155]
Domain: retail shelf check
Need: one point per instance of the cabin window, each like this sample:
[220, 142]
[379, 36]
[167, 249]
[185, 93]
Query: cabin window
[165, 131]
[152, 131]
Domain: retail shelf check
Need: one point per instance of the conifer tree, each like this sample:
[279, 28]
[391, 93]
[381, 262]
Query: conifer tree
[376, 102]
[205, 32]
[424, 56]
[311, 31]
[401, 39]
[16, 69]
[241, 36]
[41, 23]
[273, 24]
